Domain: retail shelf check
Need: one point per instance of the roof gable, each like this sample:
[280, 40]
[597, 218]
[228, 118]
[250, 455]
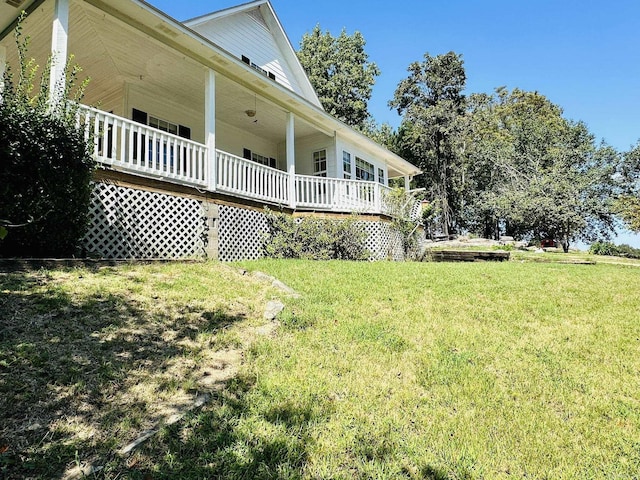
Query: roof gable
[253, 33]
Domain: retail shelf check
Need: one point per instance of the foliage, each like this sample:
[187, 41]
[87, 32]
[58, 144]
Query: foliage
[533, 173]
[628, 204]
[611, 249]
[314, 238]
[431, 102]
[400, 204]
[46, 167]
[340, 72]
[628, 208]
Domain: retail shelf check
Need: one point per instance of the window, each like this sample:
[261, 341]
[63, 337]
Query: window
[256, 157]
[146, 119]
[346, 164]
[364, 170]
[165, 153]
[257, 67]
[381, 176]
[320, 163]
[163, 125]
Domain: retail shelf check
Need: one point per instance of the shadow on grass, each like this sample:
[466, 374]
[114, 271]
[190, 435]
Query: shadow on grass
[222, 441]
[72, 369]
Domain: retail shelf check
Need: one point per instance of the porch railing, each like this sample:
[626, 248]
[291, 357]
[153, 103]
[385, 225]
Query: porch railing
[135, 147]
[245, 178]
[338, 194]
[150, 152]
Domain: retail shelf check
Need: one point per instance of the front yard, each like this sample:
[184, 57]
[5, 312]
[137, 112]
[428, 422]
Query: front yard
[378, 370]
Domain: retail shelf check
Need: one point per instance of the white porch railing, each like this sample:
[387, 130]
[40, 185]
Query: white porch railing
[338, 194]
[134, 147]
[245, 178]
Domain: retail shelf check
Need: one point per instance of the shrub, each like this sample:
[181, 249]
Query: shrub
[611, 249]
[314, 238]
[45, 166]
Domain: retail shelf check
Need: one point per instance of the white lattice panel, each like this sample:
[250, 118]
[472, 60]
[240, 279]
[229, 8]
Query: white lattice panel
[241, 233]
[383, 242]
[131, 223]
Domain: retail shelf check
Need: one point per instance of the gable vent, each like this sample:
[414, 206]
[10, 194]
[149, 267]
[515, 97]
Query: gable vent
[14, 3]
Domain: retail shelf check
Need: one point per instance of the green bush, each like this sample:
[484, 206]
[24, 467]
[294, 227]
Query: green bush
[611, 249]
[314, 238]
[45, 165]
[45, 172]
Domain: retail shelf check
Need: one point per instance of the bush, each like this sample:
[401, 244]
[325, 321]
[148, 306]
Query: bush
[44, 183]
[45, 165]
[314, 238]
[611, 249]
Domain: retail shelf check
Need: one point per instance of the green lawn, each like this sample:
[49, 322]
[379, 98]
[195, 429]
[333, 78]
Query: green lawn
[412, 370]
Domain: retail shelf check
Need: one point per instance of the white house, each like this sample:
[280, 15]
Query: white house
[216, 110]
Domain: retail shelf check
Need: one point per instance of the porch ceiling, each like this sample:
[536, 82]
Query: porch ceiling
[113, 54]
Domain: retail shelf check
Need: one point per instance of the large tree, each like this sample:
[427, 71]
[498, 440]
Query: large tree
[340, 72]
[432, 105]
[534, 174]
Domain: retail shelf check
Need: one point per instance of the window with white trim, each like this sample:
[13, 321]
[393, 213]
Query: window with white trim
[346, 165]
[320, 163]
[261, 159]
[381, 176]
[163, 125]
[364, 170]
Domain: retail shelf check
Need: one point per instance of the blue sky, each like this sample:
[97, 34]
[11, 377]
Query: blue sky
[582, 55]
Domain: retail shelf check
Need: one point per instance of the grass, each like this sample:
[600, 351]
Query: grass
[89, 359]
[383, 370]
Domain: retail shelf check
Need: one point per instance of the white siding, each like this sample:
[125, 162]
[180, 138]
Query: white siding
[158, 103]
[247, 34]
[304, 154]
[233, 140]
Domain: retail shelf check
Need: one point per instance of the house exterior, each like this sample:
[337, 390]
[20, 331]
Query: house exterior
[200, 117]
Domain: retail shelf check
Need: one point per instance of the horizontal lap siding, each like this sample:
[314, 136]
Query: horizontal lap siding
[242, 34]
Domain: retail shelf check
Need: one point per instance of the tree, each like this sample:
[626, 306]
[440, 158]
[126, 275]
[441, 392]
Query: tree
[534, 174]
[340, 72]
[45, 165]
[431, 102]
[628, 204]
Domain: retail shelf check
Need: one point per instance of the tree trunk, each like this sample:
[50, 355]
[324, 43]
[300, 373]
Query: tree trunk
[565, 239]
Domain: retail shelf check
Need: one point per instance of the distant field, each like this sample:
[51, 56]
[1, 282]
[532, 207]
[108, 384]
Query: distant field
[379, 370]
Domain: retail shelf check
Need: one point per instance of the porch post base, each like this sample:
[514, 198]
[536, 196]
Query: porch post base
[212, 214]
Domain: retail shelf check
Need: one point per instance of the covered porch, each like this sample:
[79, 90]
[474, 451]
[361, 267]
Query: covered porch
[168, 107]
[130, 147]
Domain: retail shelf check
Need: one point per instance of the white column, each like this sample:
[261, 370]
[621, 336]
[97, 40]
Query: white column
[407, 183]
[210, 128]
[3, 67]
[59, 39]
[291, 158]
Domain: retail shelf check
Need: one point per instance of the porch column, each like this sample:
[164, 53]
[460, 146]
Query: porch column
[59, 39]
[3, 67]
[291, 158]
[407, 183]
[210, 128]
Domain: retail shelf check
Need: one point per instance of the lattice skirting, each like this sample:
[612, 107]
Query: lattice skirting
[383, 243]
[127, 222]
[241, 233]
[131, 223]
